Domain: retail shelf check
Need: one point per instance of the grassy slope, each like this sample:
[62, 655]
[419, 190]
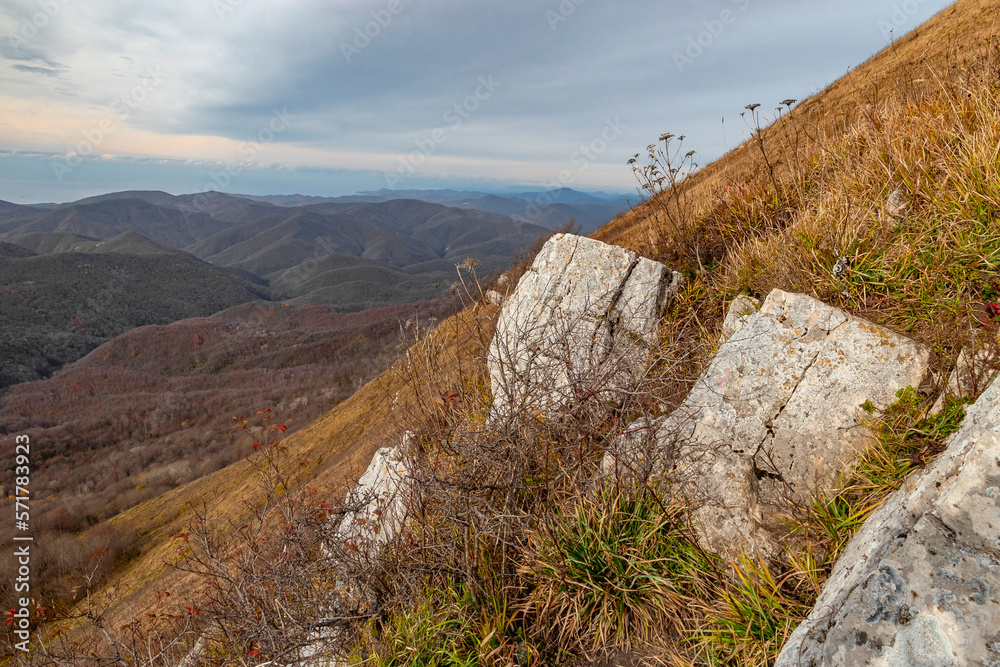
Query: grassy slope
[915, 62]
[919, 117]
[939, 147]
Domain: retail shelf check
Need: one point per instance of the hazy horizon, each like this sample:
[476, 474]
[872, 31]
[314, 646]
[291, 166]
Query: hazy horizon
[505, 191]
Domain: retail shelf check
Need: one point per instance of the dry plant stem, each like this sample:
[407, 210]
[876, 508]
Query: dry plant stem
[757, 134]
[661, 180]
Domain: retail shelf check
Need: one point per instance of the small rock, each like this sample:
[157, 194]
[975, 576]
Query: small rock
[382, 492]
[493, 297]
[896, 205]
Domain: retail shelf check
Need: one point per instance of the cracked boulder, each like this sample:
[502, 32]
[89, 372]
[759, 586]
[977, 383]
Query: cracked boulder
[774, 418]
[919, 584]
[578, 325]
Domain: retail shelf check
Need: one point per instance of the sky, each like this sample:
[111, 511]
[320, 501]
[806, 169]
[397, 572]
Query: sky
[333, 97]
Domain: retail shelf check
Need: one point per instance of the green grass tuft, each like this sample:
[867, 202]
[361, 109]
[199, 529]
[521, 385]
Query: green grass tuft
[614, 568]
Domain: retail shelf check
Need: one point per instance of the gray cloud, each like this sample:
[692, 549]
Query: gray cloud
[33, 69]
[363, 77]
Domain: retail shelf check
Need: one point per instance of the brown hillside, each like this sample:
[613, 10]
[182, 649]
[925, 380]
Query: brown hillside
[915, 125]
[921, 119]
[915, 66]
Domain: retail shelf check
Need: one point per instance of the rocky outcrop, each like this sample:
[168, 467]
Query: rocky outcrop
[380, 495]
[775, 416]
[577, 324]
[379, 499]
[778, 413]
[919, 584]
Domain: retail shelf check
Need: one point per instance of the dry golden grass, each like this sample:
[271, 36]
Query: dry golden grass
[940, 49]
[919, 118]
[922, 117]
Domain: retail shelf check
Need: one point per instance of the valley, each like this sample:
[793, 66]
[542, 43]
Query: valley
[74, 276]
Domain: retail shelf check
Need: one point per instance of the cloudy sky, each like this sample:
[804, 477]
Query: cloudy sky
[331, 97]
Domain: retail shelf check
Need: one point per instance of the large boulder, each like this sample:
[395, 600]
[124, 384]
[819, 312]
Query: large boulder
[576, 324]
[774, 418]
[919, 584]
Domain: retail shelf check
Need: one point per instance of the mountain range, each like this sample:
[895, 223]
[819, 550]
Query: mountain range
[550, 208]
[73, 276]
[349, 255]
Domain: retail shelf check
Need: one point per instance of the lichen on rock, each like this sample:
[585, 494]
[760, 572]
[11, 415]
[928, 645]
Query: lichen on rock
[939, 539]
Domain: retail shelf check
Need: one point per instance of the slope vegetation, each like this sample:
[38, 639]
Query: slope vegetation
[891, 172]
[152, 409]
[57, 307]
[880, 195]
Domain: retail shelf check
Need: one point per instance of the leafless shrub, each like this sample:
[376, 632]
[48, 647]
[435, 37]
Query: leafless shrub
[486, 480]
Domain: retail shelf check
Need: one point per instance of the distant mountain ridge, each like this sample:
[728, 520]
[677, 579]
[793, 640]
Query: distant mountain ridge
[75, 275]
[549, 208]
[106, 218]
[307, 250]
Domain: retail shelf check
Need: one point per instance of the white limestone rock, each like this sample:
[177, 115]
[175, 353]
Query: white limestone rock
[380, 497]
[578, 323]
[775, 416]
[919, 584]
[382, 491]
